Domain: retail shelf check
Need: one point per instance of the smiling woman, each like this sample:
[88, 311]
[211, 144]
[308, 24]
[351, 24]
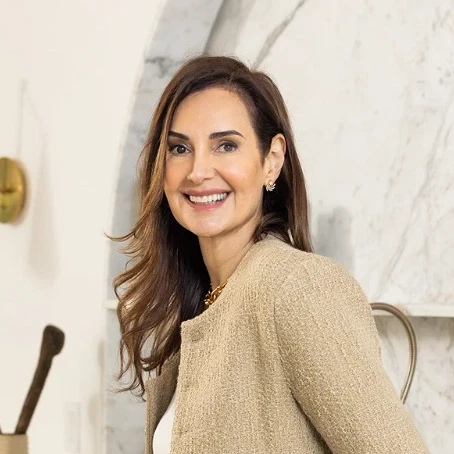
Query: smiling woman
[258, 344]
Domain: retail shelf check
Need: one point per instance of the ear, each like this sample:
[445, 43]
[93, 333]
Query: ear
[274, 160]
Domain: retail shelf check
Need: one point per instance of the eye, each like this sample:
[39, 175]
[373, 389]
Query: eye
[227, 147]
[178, 149]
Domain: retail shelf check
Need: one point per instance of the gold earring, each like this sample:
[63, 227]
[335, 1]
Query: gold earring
[270, 186]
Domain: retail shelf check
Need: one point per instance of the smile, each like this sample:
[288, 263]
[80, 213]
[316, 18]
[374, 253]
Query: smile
[208, 199]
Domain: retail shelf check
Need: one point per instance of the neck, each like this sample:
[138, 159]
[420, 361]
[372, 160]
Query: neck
[222, 255]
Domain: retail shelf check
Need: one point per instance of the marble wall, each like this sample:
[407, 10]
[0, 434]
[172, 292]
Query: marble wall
[370, 89]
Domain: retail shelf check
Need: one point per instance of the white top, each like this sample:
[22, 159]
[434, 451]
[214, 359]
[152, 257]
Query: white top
[163, 432]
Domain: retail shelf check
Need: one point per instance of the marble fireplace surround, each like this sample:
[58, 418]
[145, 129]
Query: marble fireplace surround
[216, 26]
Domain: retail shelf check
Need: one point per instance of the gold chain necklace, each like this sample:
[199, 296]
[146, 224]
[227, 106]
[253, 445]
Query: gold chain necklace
[212, 295]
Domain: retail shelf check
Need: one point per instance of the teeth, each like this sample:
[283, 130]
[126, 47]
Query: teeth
[213, 198]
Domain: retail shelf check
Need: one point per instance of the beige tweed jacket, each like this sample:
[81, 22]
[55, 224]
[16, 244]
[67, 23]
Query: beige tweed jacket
[287, 361]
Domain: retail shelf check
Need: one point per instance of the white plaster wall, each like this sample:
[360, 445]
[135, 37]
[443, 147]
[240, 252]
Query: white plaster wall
[68, 72]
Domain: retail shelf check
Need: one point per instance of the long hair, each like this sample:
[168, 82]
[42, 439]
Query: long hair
[167, 279]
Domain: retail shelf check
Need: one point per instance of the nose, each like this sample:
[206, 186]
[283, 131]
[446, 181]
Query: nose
[201, 169]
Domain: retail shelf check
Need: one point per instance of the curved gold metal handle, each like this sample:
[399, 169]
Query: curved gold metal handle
[411, 339]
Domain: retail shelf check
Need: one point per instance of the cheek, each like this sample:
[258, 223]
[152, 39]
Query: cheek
[171, 179]
[166, 183]
[247, 176]
[169, 191]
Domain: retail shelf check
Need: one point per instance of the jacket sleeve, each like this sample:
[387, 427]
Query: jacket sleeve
[330, 352]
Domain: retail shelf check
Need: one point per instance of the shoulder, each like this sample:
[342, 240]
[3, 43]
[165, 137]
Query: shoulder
[317, 295]
[303, 292]
[279, 267]
[301, 287]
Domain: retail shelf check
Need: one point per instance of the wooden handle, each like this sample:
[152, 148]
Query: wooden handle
[51, 345]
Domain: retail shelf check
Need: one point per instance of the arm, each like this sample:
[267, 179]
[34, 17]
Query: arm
[330, 353]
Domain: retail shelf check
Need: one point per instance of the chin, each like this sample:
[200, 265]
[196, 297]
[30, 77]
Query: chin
[206, 231]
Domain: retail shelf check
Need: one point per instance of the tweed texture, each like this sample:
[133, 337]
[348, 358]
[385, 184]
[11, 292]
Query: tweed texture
[286, 361]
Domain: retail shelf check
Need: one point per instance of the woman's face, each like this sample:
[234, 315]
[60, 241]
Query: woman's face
[214, 176]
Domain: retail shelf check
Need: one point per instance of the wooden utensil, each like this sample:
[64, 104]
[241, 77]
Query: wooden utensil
[51, 345]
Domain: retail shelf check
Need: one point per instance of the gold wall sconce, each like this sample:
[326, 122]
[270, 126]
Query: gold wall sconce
[12, 190]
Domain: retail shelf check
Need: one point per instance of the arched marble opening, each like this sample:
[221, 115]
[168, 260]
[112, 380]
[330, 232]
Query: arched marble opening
[376, 180]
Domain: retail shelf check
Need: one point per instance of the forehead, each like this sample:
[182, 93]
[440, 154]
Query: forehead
[213, 109]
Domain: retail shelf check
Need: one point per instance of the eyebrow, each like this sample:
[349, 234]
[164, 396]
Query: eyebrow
[213, 135]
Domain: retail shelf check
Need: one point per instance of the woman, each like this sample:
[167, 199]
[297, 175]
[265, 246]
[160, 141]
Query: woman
[260, 346]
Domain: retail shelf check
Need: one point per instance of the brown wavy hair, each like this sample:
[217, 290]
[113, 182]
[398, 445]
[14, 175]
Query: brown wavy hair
[166, 280]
